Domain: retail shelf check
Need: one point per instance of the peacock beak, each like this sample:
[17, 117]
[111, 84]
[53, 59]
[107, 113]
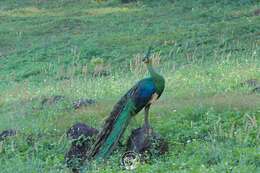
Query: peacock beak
[146, 57]
[145, 60]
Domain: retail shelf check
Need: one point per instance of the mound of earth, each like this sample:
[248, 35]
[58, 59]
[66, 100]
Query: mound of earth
[82, 137]
[145, 142]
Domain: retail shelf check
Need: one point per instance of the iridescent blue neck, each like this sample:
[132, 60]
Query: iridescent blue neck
[158, 79]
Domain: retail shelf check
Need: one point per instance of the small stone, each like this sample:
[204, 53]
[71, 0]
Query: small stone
[52, 100]
[83, 102]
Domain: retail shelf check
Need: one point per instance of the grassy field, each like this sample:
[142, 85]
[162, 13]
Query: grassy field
[205, 49]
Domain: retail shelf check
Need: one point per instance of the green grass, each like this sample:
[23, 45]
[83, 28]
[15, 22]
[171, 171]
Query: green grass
[206, 49]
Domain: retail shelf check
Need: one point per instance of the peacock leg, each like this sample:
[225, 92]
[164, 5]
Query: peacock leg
[146, 119]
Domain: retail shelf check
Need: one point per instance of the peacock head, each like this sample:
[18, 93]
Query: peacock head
[147, 59]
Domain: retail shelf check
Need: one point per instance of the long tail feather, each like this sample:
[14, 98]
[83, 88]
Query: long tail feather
[112, 131]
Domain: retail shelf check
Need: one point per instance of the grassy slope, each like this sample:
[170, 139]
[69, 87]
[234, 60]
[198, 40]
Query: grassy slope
[206, 49]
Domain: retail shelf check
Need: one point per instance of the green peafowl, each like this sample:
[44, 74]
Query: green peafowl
[140, 96]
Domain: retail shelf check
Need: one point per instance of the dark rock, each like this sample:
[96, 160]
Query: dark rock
[147, 141]
[82, 137]
[256, 90]
[63, 78]
[257, 12]
[100, 73]
[76, 156]
[127, 1]
[250, 83]
[52, 100]
[7, 133]
[83, 102]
